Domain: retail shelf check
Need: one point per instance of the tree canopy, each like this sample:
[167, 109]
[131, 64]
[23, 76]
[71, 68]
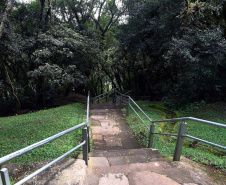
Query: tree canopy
[170, 50]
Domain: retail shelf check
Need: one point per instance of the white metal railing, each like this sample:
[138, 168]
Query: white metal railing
[4, 175]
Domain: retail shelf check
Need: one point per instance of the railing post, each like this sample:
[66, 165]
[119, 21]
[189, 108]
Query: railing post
[87, 120]
[106, 97]
[120, 101]
[85, 146]
[128, 106]
[98, 100]
[114, 96]
[179, 143]
[88, 139]
[151, 136]
[4, 177]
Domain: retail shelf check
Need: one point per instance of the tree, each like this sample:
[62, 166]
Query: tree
[4, 17]
[174, 51]
[38, 63]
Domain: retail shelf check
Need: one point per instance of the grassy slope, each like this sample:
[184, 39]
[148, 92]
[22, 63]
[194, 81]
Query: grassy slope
[205, 153]
[20, 131]
[200, 152]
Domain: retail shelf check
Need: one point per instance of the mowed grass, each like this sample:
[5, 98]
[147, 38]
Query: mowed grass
[199, 152]
[21, 131]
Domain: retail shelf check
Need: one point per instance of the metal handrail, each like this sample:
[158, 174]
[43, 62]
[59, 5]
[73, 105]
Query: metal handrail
[87, 114]
[4, 175]
[204, 141]
[101, 96]
[124, 94]
[139, 117]
[111, 91]
[49, 164]
[104, 95]
[128, 92]
[140, 109]
[182, 129]
[118, 98]
[22, 151]
[192, 119]
[166, 134]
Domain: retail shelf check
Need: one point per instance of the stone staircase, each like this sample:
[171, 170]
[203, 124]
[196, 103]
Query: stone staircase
[130, 167]
[117, 159]
[143, 167]
[120, 166]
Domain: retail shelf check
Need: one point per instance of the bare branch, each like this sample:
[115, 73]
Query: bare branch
[100, 10]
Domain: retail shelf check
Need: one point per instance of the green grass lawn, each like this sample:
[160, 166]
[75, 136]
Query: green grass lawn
[199, 152]
[20, 131]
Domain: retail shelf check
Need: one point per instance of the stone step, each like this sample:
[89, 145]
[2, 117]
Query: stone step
[129, 168]
[135, 178]
[123, 152]
[64, 172]
[154, 173]
[94, 173]
[115, 161]
[121, 157]
[147, 178]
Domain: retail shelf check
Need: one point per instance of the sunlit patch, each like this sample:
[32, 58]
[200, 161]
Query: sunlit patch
[156, 164]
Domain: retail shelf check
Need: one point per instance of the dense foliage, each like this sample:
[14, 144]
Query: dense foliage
[173, 51]
[176, 51]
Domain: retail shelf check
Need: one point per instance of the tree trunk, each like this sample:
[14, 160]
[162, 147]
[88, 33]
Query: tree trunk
[40, 93]
[67, 91]
[224, 13]
[9, 81]
[129, 78]
[5, 16]
[41, 13]
[101, 86]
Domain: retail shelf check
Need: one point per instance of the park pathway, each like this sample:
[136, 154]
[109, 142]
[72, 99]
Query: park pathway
[117, 159]
[109, 129]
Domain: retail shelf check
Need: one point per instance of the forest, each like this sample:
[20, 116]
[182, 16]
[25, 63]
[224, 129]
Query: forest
[172, 51]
